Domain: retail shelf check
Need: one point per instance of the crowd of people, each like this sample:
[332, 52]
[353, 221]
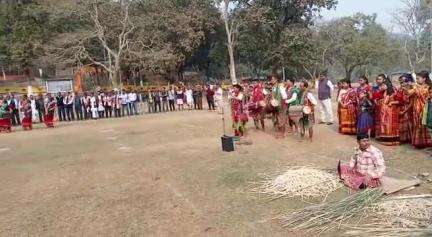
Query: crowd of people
[290, 107]
[24, 110]
[393, 113]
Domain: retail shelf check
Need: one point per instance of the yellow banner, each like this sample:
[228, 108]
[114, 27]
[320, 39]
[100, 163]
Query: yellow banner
[21, 90]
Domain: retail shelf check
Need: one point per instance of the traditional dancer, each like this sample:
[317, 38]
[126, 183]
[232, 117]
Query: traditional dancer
[377, 98]
[364, 86]
[309, 102]
[50, 108]
[290, 91]
[347, 109]
[279, 106]
[5, 118]
[366, 167]
[421, 137]
[406, 107]
[365, 122]
[238, 112]
[256, 106]
[27, 111]
[387, 131]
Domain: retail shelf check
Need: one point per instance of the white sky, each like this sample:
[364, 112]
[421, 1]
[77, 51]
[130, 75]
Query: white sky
[383, 8]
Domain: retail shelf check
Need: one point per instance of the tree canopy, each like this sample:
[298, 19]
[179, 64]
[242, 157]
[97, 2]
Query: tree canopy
[167, 37]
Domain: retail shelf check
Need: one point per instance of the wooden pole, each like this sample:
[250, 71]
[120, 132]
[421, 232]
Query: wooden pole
[223, 121]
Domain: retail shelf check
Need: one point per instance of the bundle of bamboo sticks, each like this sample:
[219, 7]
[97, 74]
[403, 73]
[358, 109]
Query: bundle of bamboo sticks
[332, 215]
[303, 182]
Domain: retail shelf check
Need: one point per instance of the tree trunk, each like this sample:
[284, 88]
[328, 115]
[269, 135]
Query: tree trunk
[230, 45]
[232, 63]
[348, 73]
[275, 69]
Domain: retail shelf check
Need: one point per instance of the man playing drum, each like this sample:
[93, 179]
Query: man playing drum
[277, 102]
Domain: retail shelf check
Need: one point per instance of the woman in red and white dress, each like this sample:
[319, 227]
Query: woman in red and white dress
[256, 105]
[26, 109]
[50, 108]
[238, 112]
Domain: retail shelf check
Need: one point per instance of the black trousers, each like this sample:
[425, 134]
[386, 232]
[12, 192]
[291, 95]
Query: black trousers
[157, 106]
[211, 103]
[108, 111]
[41, 113]
[87, 115]
[125, 107]
[151, 107]
[171, 105]
[15, 117]
[79, 112]
[61, 113]
[117, 113]
[69, 113]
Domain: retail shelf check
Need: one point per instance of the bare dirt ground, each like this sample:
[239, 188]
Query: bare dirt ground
[158, 175]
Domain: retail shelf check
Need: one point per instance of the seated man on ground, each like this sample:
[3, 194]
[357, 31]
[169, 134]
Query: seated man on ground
[365, 168]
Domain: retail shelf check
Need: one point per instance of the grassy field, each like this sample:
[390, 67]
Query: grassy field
[158, 175]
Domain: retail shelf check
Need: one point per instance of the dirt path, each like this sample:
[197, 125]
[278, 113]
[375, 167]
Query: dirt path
[157, 175]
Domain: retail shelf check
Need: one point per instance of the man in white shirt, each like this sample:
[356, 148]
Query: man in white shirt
[124, 103]
[325, 89]
[68, 103]
[218, 98]
[279, 96]
[132, 101]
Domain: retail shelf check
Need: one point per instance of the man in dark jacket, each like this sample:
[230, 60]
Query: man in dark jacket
[40, 107]
[61, 107]
[78, 104]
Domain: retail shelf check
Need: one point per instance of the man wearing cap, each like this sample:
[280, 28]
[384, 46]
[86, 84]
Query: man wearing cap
[366, 167]
[325, 89]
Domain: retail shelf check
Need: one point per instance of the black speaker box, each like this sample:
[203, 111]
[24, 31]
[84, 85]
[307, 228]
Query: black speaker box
[227, 143]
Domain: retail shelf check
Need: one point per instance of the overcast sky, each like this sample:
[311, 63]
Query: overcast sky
[383, 8]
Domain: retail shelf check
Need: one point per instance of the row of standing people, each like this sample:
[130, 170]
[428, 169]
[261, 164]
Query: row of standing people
[393, 114]
[94, 105]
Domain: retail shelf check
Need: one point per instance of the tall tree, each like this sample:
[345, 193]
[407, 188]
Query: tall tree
[231, 28]
[355, 41]
[413, 20]
[284, 24]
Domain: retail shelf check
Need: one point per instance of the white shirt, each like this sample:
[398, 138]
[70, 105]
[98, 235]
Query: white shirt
[124, 98]
[171, 95]
[132, 97]
[311, 98]
[93, 102]
[218, 96]
[239, 96]
[282, 91]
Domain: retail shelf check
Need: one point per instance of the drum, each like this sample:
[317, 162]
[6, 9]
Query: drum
[295, 111]
[252, 106]
[307, 110]
[274, 103]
